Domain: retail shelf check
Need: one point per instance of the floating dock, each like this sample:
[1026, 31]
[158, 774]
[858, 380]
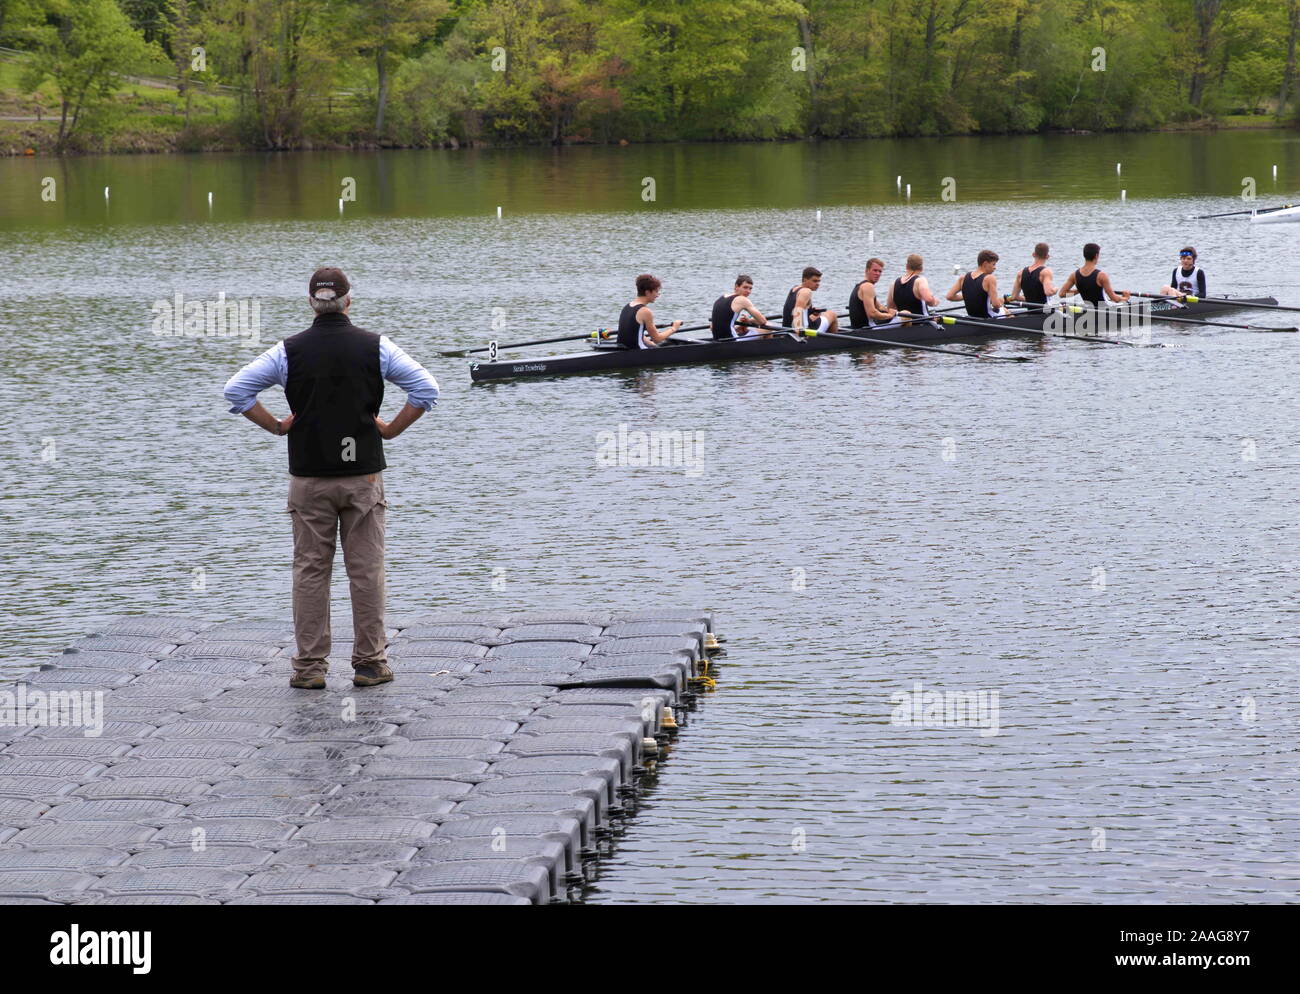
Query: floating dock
[499, 764]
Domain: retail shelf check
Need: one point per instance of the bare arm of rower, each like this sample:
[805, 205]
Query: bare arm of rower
[955, 292]
[922, 290]
[1045, 277]
[801, 301]
[1015, 288]
[873, 309]
[1067, 287]
[647, 319]
[743, 305]
[991, 288]
[1115, 298]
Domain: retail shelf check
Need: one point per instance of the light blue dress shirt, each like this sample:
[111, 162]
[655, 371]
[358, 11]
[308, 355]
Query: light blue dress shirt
[272, 367]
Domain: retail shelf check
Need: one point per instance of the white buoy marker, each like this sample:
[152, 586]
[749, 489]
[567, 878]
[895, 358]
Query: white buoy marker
[1118, 169]
[498, 213]
[909, 191]
[1275, 170]
[819, 215]
[898, 182]
[1123, 196]
[105, 193]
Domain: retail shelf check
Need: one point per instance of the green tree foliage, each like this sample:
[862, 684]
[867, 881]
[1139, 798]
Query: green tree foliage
[708, 68]
[436, 96]
[427, 71]
[285, 56]
[152, 18]
[1255, 77]
[84, 47]
[387, 31]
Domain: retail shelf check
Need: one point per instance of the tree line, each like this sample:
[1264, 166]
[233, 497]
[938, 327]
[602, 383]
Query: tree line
[430, 72]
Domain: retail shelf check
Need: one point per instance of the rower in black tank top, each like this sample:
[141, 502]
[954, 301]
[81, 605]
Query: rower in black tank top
[1088, 286]
[857, 309]
[975, 297]
[905, 298]
[787, 312]
[723, 319]
[867, 320]
[1031, 285]
[629, 329]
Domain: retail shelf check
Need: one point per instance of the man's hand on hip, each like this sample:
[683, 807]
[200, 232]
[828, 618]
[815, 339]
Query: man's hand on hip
[405, 418]
[267, 421]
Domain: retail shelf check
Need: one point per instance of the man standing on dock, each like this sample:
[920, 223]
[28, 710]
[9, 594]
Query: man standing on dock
[333, 377]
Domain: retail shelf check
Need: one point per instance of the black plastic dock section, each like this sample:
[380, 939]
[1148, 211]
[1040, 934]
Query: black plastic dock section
[492, 771]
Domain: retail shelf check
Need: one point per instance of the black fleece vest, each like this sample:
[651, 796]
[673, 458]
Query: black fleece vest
[334, 390]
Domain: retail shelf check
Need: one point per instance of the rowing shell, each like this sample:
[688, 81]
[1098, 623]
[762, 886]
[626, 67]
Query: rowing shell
[608, 359]
[1269, 217]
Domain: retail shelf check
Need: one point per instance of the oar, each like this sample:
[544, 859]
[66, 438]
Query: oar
[1261, 210]
[457, 353]
[1052, 334]
[1220, 324]
[1213, 324]
[603, 333]
[1247, 305]
[904, 345]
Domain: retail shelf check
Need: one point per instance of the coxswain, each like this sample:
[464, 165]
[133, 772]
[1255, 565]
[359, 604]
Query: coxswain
[636, 323]
[734, 315]
[1089, 282]
[911, 293]
[978, 289]
[1188, 278]
[864, 308]
[800, 312]
[1034, 283]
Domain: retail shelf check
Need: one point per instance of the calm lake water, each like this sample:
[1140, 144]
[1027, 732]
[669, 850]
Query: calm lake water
[1105, 536]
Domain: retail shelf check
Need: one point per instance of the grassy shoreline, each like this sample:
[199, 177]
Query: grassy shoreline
[37, 138]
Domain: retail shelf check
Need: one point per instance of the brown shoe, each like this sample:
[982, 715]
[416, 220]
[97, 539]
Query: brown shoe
[370, 674]
[307, 681]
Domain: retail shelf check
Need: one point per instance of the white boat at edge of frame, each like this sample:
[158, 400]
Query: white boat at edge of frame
[1280, 215]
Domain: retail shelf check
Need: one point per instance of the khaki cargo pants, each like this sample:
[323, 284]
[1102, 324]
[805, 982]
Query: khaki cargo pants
[353, 508]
